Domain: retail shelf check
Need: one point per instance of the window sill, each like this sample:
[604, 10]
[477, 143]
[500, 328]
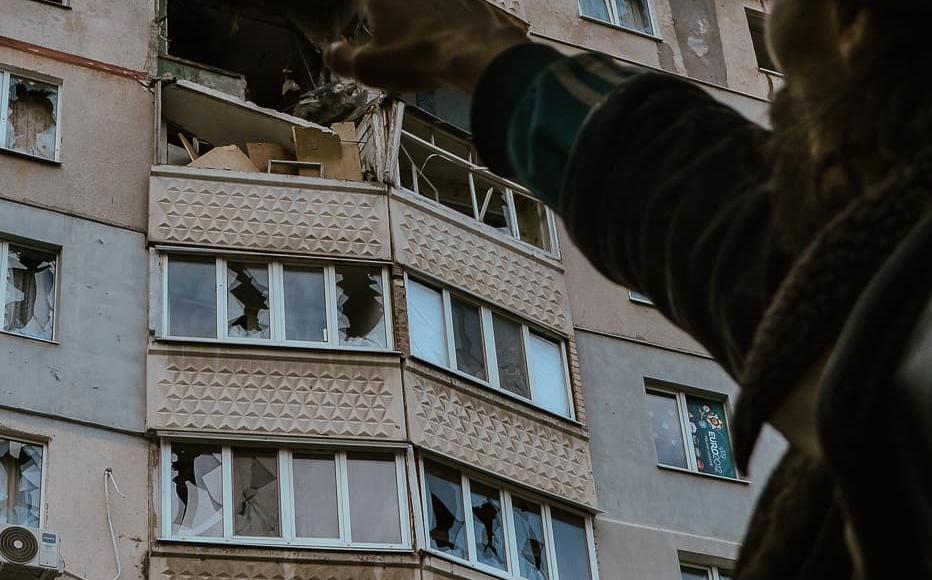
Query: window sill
[648, 35]
[277, 543]
[275, 345]
[738, 481]
[488, 388]
[20, 154]
[27, 337]
[65, 5]
[487, 570]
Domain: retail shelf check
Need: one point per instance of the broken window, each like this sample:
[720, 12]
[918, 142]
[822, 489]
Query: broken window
[426, 324]
[192, 297]
[315, 495]
[29, 293]
[529, 534]
[256, 493]
[633, 14]
[572, 545]
[30, 122]
[196, 491]
[373, 498]
[276, 303]
[20, 483]
[512, 360]
[445, 512]
[361, 306]
[488, 525]
[468, 340]
[312, 492]
[248, 313]
[445, 168]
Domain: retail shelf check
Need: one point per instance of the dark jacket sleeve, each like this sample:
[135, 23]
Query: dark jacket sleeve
[659, 185]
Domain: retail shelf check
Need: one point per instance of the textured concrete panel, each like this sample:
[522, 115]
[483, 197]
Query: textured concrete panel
[269, 213]
[490, 432]
[215, 568]
[274, 392]
[450, 247]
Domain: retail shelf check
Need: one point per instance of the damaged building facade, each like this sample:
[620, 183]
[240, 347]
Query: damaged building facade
[262, 322]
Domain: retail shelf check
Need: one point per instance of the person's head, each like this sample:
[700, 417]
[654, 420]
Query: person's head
[856, 103]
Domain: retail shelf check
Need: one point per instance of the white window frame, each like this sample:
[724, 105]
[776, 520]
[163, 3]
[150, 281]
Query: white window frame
[45, 470]
[488, 341]
[510, 189]
[287, 497]
[5, 74]
[277, 314]
[691, 461]
[639, 298]
[615, 19]
[711, 572]
[4, 264]
[506, 493]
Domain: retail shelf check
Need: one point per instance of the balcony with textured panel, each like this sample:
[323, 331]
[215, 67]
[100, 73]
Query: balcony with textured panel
[507, 439]
[224, 563]
[271, 213]
[441, 243]
[255, 391]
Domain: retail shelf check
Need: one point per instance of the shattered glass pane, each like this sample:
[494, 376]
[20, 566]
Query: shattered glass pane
[315, 496]
[532, 222]
[30, 292]
[445, 510]
[512, 362]
[373, 498]
[467, 338]
[192, 297]
[33, 117]
[196, 491]
[549, 377]
[428, 331]
[256, 510]
[20, 483]
[305, 304]
[493, 205]
[529, 533]
[666, 429]
[488, 526]
[572, 546]
[361, 307]
[438, 178]
[248, 313]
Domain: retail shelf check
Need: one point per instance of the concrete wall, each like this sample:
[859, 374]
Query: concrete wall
[106, 141]
[117, 33]
[96, 371]
[74, 508]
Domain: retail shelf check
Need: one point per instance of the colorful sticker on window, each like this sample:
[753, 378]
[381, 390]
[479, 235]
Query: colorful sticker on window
[710, 437]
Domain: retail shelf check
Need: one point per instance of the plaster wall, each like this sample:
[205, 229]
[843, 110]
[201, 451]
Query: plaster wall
[117, 33]
[106, 142]
[73, 506]
[95, 372]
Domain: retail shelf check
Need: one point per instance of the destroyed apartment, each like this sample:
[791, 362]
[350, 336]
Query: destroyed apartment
[264, 322]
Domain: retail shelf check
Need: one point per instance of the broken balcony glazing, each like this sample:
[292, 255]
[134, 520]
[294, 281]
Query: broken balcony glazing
[529, 534]
[445, 511]
[196, 491]
[30, 292]
[31, 117]
[256, 506]
[487, 523]
[248, 314]
[20, 483]
[361, 307]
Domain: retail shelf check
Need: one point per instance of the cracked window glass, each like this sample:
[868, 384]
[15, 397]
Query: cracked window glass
[572, 545]
[305, 304]
[529, 533]
[666, 429]
[256, 511]
[196, 491]
[33, 117]
[192, 297]
[467, 338]
[493, 205]
[549, 376]
[428, 331]
[488, 526]
[445, 510]
[248, 313]
[20, 483]
[361, 307]
[373, 498]
[315, 496]
[30, 292]
[532, 222]
[512, 361]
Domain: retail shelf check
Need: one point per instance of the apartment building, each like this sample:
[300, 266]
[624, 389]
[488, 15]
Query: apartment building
[261, 322]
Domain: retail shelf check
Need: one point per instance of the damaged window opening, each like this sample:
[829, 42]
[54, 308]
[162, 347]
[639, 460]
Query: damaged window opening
[505, 533]
[28, 291]
[29, 116]
[446, 169]
[295, 497]
[489, 346]
[20, 483]
[275, 303]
